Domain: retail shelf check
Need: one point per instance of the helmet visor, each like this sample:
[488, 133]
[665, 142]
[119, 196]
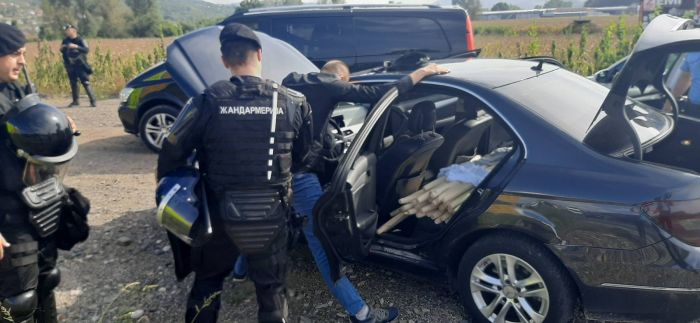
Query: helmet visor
[36, 172]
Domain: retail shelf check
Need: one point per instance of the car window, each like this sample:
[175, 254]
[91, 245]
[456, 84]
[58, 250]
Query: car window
[376, 35]
[315, 37]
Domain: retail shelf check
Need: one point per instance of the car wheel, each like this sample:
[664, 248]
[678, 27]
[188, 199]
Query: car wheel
[507, 278]
[154, 125]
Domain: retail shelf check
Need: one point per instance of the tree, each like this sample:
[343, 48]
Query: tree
[246, 5]
[146, 19]
[558, 4]
[473, 7]
[502, 6]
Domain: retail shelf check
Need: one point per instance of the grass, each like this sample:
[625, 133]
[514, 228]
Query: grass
[583, 48]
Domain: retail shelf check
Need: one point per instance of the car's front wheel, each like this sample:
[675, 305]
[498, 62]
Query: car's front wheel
[508, 278]
[154, 125]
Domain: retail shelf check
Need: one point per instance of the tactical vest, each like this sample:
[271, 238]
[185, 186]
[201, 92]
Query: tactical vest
[247, 158]
[12, 166]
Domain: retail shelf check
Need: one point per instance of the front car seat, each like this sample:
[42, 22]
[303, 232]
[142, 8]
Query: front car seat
[401, 167]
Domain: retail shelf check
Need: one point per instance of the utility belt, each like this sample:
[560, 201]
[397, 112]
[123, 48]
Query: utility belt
[255, 218]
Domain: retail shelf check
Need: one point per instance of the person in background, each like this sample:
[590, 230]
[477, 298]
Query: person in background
[74, 50]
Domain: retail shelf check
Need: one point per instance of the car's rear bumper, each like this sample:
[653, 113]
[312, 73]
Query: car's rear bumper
[660, 282]
[128, 117]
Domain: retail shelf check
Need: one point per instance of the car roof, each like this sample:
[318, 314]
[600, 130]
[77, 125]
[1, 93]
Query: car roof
[490, 73]
[341, 8]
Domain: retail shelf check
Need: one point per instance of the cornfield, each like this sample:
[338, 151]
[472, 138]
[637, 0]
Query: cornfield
[582, 47]
[584, 51]
[113, 65]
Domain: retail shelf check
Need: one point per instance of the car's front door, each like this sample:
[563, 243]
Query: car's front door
[345, 218]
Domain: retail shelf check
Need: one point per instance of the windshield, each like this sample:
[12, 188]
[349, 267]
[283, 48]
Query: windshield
[569, 102]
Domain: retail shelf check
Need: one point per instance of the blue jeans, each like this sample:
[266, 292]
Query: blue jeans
[307, 190]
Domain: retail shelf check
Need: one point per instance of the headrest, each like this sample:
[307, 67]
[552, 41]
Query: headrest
[422, 117]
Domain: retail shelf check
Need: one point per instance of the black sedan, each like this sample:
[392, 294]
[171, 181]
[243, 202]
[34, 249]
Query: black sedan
[592, 199]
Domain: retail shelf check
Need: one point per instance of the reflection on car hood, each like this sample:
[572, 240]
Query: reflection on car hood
[194, 60]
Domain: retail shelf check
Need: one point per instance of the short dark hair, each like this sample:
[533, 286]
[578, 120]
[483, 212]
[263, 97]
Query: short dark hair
[237, 52]
[335, 66]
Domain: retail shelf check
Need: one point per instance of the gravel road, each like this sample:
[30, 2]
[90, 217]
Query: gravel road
[124, 273]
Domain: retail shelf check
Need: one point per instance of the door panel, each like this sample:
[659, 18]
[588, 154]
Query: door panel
[363, 190]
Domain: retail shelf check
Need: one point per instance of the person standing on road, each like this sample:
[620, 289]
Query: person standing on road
[323, 91]
[249, 135]
[75, 49]
[32, 155]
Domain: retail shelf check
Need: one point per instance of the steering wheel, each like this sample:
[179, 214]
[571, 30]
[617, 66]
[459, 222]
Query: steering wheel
[334, 144]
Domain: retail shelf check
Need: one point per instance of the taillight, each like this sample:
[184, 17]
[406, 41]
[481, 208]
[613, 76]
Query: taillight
[470, 35]
[679, 218]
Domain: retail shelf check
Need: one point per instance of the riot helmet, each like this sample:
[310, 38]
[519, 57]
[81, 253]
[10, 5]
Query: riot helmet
[44, 136]
[182, 207]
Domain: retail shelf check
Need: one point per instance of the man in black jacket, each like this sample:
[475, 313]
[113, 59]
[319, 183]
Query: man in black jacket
[28, 248]
[323, 91]
[249, 135]
[75, 49]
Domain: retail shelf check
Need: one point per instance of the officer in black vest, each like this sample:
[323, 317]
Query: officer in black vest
[75, 49]
[249, 135]
[36, 142]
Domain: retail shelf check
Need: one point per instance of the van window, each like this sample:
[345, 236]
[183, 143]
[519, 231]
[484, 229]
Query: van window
[315, 37]
[377, 35]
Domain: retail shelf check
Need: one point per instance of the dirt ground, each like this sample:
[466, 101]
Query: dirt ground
[124, 273]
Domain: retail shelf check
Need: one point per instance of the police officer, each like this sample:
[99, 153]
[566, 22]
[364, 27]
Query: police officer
[32, 198]
[75, 49]
[249, 135]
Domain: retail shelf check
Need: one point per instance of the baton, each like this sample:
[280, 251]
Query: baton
[30, 86]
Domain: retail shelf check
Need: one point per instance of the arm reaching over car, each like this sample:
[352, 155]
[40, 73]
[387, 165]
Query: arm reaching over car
[428, 70]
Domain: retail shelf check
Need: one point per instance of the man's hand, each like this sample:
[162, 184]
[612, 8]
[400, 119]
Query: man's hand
[72, 46]
[428, 70]
[3, 244]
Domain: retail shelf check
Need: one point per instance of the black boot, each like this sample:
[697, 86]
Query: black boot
[90, 94]
[74, 93]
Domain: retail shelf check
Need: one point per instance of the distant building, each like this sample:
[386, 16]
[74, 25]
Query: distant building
[556, 12]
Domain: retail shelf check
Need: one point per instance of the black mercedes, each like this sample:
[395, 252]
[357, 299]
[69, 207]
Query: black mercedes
[585, 196]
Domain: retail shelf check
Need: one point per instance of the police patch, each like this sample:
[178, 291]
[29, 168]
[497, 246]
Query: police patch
[245, 110]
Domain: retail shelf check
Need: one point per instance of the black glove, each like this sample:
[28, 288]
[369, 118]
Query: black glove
[73, 227]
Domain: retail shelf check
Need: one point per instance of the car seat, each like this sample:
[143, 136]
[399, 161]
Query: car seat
[461, 139]
[401, 166]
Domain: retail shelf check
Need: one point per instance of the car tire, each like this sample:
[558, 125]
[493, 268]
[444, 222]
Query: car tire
[154, 124]
[542, 290]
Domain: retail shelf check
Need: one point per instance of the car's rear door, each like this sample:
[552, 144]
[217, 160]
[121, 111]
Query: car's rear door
[345, 218]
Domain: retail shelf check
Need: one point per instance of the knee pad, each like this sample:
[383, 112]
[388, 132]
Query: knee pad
[48, 280]
[19, 308]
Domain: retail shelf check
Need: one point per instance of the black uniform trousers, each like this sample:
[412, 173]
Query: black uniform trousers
[213, 262]
[29, 264]
[79, 73]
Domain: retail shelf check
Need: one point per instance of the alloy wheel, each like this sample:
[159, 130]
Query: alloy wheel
[507, 289]
[157, 127]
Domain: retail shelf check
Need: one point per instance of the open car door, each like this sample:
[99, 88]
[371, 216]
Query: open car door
[345, 218]
[194, 60]
[662, 40]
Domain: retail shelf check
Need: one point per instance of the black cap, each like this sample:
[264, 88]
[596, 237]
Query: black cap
[11, 39]
[69, 26]
[237, 32]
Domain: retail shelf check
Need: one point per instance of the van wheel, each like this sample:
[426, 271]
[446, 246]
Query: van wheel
[507, 278]
[154, 125]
